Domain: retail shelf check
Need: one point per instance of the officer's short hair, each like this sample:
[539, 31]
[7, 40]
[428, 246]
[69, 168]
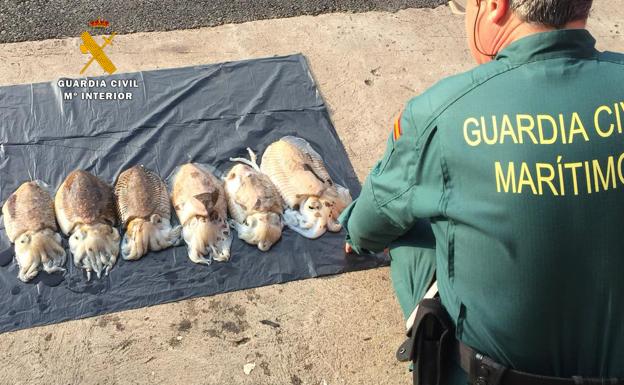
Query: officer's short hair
[553, 13]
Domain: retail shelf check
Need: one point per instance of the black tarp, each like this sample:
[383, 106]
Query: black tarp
[204, 114]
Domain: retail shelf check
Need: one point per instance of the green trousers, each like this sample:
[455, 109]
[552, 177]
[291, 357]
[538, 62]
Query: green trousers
[412, 265]
[412, 268]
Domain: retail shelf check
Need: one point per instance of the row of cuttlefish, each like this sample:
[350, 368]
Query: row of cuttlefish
[291, 186]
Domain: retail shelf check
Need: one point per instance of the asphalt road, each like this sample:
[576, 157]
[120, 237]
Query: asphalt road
[25, 20]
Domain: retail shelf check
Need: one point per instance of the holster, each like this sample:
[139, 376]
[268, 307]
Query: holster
[431, 346]
[429, 343]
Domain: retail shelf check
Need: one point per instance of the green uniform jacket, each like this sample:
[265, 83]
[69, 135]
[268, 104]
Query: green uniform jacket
[519, 165]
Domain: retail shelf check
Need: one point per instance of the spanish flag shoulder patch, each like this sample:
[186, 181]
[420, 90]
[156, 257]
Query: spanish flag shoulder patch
[397, 132]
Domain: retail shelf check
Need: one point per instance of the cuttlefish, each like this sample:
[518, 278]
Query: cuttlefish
[145, 212]
[30, 224]
[254, 203]
[313, 200]
[85, 210]
[199, 200]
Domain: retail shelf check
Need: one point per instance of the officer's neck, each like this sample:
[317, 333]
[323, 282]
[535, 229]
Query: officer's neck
[517, 29]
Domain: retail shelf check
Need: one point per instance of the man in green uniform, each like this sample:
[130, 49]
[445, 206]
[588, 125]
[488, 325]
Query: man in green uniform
[518, 165]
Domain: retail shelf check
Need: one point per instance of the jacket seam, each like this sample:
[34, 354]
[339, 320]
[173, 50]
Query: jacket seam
[378, 208]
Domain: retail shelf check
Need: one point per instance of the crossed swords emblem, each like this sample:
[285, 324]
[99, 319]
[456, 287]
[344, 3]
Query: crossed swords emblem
[89, 45]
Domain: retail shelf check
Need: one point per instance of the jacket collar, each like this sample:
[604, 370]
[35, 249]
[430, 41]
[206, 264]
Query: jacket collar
[572, 43]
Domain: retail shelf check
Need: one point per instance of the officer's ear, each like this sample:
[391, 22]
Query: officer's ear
[496, 10]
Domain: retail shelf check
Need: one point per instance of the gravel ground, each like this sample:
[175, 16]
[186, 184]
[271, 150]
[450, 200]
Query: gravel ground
[39, 19]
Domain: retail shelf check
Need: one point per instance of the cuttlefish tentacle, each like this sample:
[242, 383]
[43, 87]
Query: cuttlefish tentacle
[331, 210]
[322, 213]
[41, 248]
[310, 220]
[221, 248]
[95, 248]
[145, 235]
[54, 255]
[199, 235]
[196, 235]
[296, 222]
[260, 229]
[27, 272]
[333, 225]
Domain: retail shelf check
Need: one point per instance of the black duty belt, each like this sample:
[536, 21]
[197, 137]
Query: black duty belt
[483, 370]
[432, 347]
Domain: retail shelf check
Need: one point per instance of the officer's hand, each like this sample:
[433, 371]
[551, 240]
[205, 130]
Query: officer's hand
[348, 248]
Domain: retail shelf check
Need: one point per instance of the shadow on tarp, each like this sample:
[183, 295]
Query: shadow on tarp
[204, 114]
